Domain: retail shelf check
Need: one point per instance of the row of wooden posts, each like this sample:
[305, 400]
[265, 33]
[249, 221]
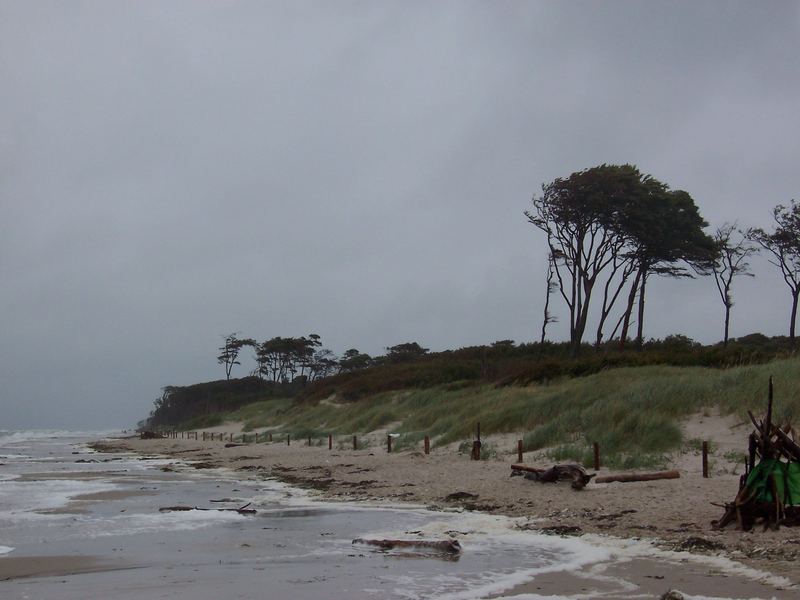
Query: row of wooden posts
[267, 437]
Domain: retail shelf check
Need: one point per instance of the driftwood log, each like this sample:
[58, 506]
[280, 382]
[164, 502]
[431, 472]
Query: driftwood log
[443, 546]
[627, 477]
[243, 510]
[574, 473]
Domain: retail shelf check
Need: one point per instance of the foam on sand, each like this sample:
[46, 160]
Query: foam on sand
[5, 550]
[519, 556]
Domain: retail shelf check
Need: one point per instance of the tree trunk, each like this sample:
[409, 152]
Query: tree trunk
[547, 318]
[795, 293]
[727, 324]
[623, 336]
[640, 324]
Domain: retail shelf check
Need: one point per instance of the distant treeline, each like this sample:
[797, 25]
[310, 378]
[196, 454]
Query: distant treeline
[502, 363]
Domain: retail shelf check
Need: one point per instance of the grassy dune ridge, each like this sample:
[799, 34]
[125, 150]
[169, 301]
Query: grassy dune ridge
[634, 413]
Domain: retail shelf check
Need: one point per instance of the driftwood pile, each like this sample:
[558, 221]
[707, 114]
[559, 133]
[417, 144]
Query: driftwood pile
[767, 490]
[150, 435]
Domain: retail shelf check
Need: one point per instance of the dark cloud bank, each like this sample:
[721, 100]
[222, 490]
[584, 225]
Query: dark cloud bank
[172, 172]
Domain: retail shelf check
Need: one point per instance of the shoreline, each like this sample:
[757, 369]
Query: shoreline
[671, 516]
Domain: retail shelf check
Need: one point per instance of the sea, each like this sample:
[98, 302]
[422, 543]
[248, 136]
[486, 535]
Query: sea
[88, 525]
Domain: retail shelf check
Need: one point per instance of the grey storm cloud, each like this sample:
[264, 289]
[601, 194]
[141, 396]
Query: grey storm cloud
[171, 172]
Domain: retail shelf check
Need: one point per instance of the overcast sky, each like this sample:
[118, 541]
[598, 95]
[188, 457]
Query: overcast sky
[171, 172]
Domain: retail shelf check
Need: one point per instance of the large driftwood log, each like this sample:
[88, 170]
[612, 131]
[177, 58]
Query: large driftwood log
[526, 468]
[627, 477]
[573, 473]
[444, 546]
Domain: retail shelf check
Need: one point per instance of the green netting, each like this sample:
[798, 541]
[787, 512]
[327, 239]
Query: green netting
[787, 481]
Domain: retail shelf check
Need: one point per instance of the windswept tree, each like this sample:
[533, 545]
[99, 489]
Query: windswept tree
[283, 359]
[580, 216]
[229, 352]
[784, 246]
[612, 227]
[354, 360]
[405, 352]
[732, 251]
[665, 235]
[323, 365]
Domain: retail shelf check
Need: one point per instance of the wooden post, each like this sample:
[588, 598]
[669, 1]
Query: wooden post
[309, 441]
[288, 439]
[596, 448]
[270, 437]
[330, 441]
[427, 445]
[476, 445]
[389, 442]
[705, 460]
[519, 450]
[231, 437]
[355, 443]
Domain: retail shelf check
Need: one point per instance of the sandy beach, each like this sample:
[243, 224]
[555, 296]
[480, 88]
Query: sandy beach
[665, 518]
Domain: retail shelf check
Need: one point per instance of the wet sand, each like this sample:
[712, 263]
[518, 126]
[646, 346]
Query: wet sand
[668, 515]
[18, 567]
[647, 579]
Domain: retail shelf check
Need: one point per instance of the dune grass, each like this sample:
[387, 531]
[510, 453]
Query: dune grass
[634, 413]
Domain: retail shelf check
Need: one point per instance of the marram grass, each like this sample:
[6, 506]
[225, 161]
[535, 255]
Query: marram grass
[634, 413]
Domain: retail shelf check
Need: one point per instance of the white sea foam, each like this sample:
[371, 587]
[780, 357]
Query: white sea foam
[8, 437]
[19, 499]
[492, 535]
[5, 550]
[134, 524]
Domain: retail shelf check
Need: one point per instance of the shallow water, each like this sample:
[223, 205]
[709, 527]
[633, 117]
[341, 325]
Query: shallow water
[294, 547]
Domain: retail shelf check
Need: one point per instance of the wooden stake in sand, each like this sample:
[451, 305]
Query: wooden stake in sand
[596, 448]
[519, 450]
[705, 460]
[330, 441]
[476, 445]
[427, 445]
